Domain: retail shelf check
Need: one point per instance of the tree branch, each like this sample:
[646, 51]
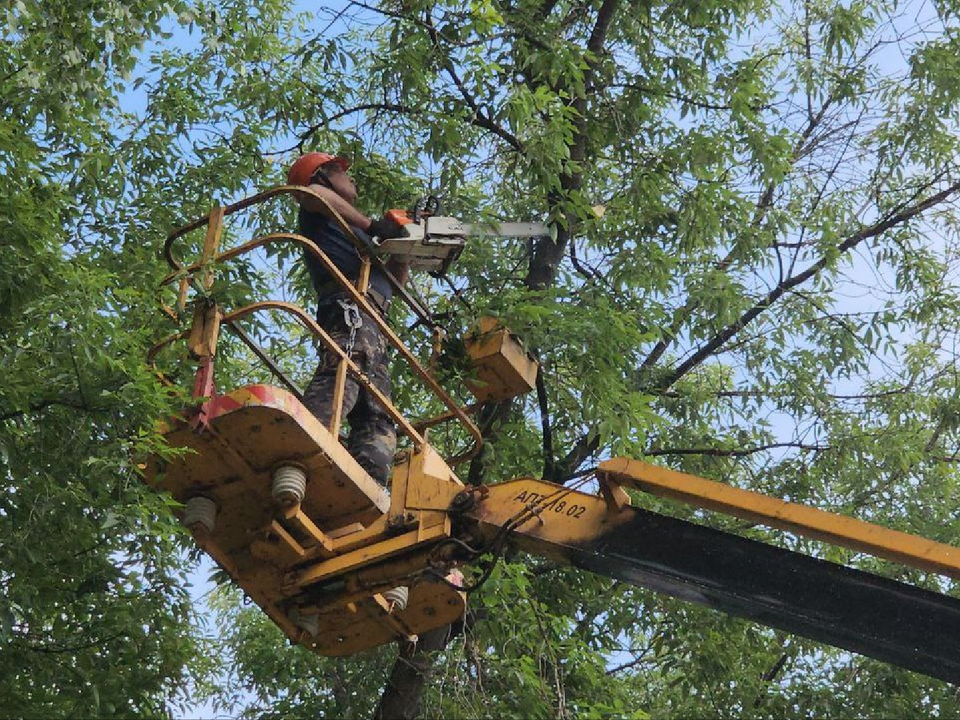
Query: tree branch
[386, 106]
[43, 404]
[763, 204]
[414, 665]
[650, 90]
[633, 663]
[545, 261]
[738, 452]
[770, 675]
[585, 447]
[59, 649]
[490, 414]
[708, 348]
[479, 119]
[15, 71]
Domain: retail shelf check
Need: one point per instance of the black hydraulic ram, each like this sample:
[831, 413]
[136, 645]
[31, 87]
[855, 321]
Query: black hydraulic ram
[858, 611]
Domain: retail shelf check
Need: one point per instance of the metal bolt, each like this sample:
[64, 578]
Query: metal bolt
[461, 501]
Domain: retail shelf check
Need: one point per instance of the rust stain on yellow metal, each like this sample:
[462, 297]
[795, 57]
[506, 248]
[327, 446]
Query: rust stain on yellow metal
[281, 532]
[363, 277]
[345, 530]
[807, 521]
[358, 626]
[433, 485]
[383, 612]
[320, 539]
[182, 288]
[339, 388]
[211, 242]
[351, 541]
[398, 493]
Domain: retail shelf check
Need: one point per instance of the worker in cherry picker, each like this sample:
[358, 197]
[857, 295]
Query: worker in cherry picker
[373, 436]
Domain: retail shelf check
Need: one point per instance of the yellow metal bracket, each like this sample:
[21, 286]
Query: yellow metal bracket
[204, 330]
[430, 484]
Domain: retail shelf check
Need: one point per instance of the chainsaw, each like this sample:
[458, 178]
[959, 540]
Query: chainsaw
[432, 241]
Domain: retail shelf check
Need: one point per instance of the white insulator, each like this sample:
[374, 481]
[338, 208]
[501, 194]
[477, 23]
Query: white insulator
[310, 623]
[398, 597]
[289, 484]
[200, 510]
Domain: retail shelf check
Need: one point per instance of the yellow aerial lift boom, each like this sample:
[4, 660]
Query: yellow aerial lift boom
[341, 565]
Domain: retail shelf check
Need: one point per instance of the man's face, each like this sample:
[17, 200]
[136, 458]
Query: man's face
[342, 184]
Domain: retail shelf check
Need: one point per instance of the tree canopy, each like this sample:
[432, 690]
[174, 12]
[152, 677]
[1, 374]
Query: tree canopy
[768, 298]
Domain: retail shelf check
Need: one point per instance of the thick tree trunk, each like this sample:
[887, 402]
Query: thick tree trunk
[413, 668]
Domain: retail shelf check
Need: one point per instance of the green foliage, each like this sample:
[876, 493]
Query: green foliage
[768, 300]
[94, 619]
[269, 678]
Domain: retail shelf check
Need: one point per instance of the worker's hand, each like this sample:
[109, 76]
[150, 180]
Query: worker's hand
[385, 228]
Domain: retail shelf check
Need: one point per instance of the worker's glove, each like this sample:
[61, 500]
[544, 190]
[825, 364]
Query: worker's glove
[385, 228]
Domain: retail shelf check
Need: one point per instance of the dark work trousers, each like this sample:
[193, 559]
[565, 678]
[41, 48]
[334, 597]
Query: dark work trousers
[373, 436]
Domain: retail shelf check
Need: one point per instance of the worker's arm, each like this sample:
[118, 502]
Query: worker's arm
[383, 228]
[347, 211]
[399, 268]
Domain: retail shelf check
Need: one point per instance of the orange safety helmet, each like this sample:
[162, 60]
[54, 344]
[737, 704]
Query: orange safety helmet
[306, 165]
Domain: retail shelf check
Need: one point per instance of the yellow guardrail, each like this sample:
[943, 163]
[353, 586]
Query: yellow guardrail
[202, 271]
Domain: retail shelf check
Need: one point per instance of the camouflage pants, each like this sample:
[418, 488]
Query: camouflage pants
[373, 436]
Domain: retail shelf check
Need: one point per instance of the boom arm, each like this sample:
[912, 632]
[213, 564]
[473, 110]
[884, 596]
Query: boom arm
[325, 568]
[868, 614]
